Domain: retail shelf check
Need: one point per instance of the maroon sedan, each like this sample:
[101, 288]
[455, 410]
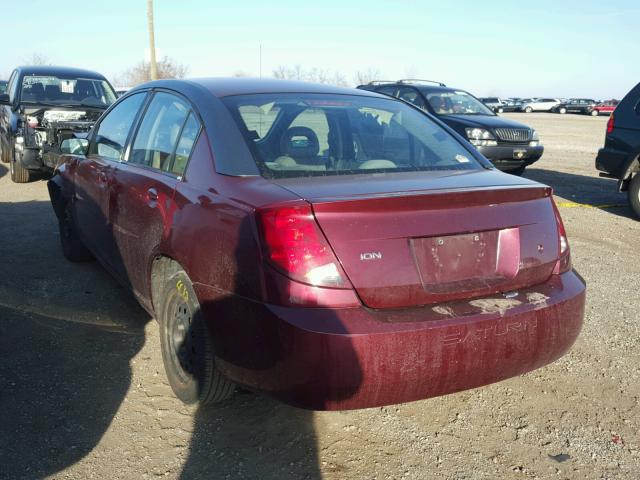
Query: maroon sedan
[334, 248]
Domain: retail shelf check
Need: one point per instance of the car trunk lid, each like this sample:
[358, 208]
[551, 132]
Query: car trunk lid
[402, 246]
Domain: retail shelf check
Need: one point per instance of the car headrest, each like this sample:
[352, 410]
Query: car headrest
[299, 142]
[372, 164]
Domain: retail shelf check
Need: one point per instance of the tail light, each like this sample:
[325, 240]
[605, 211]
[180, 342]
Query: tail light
[294, 245]
[610, 124]
[564, 256]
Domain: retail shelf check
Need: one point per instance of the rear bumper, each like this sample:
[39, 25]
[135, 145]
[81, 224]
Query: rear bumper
[504, 156]
[612, 161]
[342, 359]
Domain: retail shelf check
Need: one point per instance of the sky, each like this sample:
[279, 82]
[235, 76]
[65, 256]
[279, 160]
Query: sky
[558, 48]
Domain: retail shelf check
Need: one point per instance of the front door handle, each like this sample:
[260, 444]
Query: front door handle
[152, 196]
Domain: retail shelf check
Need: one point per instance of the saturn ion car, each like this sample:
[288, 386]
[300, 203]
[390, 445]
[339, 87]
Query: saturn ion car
[332, 248]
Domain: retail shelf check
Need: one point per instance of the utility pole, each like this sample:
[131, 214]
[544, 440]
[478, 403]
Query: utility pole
[153, 66]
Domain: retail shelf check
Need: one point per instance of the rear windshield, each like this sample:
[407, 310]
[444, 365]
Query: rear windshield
[295, 135]
[58, 91]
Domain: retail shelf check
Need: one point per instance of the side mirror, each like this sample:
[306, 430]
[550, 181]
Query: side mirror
[4, 99]
[75, 146]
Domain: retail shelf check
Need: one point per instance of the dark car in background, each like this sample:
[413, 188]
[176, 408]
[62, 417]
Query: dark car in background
[3, 86]
[510, 145]
[620, 156]
[332, 247]
[494, 103]
[510, 106]
[43, 106]
[575, 105]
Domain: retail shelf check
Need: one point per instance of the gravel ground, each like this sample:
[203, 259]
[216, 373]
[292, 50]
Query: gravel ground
[84, 394]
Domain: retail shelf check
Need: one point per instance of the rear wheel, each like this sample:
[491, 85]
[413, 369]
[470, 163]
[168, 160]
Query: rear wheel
[19, 174]
[595, 113]
[634, 194]
[187, 346]
[528, 110]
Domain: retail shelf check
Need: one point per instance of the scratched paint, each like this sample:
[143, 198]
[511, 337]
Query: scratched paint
[495, 305]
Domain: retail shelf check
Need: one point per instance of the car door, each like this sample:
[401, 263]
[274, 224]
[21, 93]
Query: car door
[142, 204]
[94, 175]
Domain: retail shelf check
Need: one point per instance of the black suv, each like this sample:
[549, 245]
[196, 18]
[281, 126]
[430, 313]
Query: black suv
[575, 105]
[511, 146]
[620, 157]
[43, 106]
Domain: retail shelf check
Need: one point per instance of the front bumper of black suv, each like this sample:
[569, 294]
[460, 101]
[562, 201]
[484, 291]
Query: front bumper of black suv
[508, 157]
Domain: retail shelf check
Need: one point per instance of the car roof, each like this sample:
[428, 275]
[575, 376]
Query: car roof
[225, 87]
[56, 71]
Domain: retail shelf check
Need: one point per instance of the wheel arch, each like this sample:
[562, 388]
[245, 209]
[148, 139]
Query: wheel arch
[161, 268]
[632, 166]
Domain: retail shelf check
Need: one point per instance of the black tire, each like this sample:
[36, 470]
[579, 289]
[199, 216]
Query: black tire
[4, 155]
[72, 247]
[528, 110]
[19, 174]
[634, 194]
[187, 346]
[595, 113]
[517, 171]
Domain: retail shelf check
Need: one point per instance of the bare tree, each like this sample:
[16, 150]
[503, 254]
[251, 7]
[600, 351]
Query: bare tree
[316, 75]
[369, 75]
[141, 72]
[37, 59]
[153, 70]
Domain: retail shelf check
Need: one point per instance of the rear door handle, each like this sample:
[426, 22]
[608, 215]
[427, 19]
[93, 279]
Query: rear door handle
[152, 196]
[102, 177]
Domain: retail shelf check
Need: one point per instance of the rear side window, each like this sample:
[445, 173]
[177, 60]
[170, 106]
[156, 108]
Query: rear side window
[387, 90]
[185, 144]
[111, 135]
[166, 134]
[318, 134]
[412, 96]
[159, 131]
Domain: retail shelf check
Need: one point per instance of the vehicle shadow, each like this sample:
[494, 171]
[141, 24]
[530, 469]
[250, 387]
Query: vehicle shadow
[598, 192]
[3, 170]
[252, 436]
[67, 335]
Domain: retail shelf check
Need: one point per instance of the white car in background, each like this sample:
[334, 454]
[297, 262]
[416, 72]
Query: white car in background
[540, 105]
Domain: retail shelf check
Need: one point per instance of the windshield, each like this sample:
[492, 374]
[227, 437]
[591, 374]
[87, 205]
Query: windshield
[457, 103]
[52, 90]
[294, 135]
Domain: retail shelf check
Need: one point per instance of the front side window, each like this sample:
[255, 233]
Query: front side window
[72, 91]
[457, 103]
[112, 132]
[317, 134]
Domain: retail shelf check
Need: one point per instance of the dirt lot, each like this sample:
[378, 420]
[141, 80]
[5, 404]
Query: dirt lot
[83, 393]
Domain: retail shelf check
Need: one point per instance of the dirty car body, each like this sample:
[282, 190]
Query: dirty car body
[347, 250]
[43, 106]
